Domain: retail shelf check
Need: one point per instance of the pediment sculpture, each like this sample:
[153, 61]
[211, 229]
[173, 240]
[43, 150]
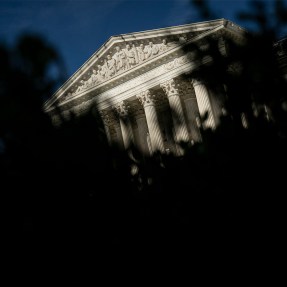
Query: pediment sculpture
[122, 60]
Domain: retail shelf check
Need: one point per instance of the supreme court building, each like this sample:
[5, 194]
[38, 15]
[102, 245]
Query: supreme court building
[139, 85]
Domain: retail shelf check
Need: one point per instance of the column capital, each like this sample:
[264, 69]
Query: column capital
[146, 98]
[197, 82]
[122, 109]
[169, 88]
[106, 118]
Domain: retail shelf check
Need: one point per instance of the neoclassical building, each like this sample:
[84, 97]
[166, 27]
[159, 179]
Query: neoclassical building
[139, 84]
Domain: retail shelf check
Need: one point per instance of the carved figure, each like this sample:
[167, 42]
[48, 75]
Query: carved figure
[105, 70]
[163, 46]
[111, 63]
[120, 58]
[100, 73]
[81, 87]
[96, 76]
[130, 56]
[84, 83]
[141, 53]
[150, 50]
[136, 53]
[89, 81]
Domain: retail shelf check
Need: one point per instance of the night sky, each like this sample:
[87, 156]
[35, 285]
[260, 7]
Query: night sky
[77, 28]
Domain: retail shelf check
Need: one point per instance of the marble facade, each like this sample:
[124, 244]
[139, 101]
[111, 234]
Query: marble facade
[138, 83]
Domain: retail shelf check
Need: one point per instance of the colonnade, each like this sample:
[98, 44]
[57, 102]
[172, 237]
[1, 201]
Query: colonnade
[180, 127]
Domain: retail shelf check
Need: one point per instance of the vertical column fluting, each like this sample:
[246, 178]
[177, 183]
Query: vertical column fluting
[142, 133]
[125, 124]
[148, 102]
[203, 102]
[179, 124]
[106, 122]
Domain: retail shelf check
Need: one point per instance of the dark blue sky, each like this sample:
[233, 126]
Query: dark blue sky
[77, 28]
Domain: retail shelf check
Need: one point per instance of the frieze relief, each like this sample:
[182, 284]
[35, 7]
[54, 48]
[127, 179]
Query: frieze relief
[122, 60]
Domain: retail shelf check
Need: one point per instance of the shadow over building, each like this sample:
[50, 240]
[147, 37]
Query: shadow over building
[280, 48]
[92, 213]
[141, 85]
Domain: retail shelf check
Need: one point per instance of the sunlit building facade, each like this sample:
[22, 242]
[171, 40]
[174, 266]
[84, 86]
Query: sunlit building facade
[140, 84]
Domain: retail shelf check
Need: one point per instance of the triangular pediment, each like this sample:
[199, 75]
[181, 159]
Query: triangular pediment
[122, 53]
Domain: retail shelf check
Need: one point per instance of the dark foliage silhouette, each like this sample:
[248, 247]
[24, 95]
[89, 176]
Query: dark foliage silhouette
[245, 157]
[76, 211]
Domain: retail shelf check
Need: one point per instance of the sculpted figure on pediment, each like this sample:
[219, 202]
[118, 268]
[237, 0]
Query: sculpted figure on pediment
[141, 53]
[136, 54]
[100, 73]
[163, 46]
[120, 58]
[81, 86]
[84, 83]
[105, 70]
[150, 50]
[112, 68]
[94, 79]
[130, 56]
[97, 78]
[89, 82]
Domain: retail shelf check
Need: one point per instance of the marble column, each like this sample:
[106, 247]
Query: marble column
[179, 124]
[118, 135]
[126, 128]
[106, 122]
[142, 133]
[203, 102]
[192, 115]
[148, 102]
